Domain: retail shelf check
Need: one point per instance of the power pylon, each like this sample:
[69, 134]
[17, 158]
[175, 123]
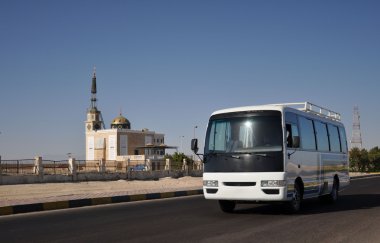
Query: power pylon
[356, 139]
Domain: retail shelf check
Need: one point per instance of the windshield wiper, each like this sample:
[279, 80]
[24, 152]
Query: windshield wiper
[229, 155]
[262, 155]
[251, 153]
[236, 155]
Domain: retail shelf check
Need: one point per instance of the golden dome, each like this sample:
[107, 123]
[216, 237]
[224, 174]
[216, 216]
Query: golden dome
[121, 122]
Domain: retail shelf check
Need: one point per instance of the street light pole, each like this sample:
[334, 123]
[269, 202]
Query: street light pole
[0, 164]
[181, 137]
[196, 126]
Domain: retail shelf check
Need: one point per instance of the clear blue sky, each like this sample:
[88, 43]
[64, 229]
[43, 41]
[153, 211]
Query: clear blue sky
[169, 64]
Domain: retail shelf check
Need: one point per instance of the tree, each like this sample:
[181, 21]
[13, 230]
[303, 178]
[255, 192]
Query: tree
[365, 161]
[374, 158]
[355, 158]
[177, 160]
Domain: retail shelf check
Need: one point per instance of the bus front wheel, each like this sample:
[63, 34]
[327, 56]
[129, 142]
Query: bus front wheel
[295, 204]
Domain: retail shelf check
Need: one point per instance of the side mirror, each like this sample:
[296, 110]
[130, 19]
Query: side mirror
[296, 141]
[194, 145]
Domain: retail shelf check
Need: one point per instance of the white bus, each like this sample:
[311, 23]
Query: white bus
[278, 152]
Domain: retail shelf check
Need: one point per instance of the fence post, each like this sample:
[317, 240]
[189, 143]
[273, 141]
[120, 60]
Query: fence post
[127, 162]
[148, 165]
[102, 165]
[184, 164]
[127, 165]
[38, 167]
[73, 168]
[167, 164]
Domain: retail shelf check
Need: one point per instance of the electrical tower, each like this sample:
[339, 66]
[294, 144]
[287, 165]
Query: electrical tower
[356, 139]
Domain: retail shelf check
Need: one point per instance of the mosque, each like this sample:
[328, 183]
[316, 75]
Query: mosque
[120, 142]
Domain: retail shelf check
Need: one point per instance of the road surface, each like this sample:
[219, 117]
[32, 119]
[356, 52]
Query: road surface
[354, 218]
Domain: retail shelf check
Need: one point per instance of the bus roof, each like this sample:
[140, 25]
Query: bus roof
[301, 106]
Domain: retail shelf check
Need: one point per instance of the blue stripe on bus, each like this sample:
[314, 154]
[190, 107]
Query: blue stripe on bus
[311, 191]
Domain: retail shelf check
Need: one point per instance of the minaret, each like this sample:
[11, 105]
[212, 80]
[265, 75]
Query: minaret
[94, 116]
[93, 90]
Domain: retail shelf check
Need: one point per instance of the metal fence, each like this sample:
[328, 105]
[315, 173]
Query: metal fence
[14, 167]
[62, 167]
[87, 165]
[111, 166]
[52, 167]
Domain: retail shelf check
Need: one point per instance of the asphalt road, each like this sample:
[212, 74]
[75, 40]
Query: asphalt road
[354, 218]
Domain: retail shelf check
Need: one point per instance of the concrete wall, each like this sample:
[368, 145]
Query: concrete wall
[132, 175]
[134, 140]
[100, 174]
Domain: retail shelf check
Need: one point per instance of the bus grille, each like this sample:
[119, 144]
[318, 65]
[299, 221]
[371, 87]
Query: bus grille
[239, 183]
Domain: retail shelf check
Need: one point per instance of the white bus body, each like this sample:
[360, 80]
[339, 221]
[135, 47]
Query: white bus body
[305, 155]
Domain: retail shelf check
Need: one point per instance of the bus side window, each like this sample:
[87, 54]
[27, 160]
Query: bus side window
[296, 136]
[343, 139]
[289, 140]
[292, 136]
[334, 138]
[307, 133]
[322, 136]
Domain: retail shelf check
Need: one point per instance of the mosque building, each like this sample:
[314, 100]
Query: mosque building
[120, 142]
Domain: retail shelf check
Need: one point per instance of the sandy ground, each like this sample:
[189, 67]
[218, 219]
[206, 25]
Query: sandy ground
[353, 174]
[50, 192]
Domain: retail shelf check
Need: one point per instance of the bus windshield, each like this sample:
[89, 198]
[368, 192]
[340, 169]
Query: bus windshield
[258, 133]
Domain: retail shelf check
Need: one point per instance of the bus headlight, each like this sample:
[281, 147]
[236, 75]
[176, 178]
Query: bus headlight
[273, 183]
[210, 183]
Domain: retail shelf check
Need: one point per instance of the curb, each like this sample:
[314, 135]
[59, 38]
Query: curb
[364, 176]
[37, 207]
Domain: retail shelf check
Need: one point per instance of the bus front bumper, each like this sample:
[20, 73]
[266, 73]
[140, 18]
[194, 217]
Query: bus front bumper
[269, 186]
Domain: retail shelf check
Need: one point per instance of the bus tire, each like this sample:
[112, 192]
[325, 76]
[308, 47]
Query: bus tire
[227, 206]
[333, 196]
[294, 205]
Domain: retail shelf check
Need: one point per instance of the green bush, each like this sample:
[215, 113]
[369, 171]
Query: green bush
[365, 161]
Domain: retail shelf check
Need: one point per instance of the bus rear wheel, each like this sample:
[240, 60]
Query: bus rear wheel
[333, 196]
[227, 206]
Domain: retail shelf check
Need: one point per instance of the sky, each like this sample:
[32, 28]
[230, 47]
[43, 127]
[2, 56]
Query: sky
[167, 65]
